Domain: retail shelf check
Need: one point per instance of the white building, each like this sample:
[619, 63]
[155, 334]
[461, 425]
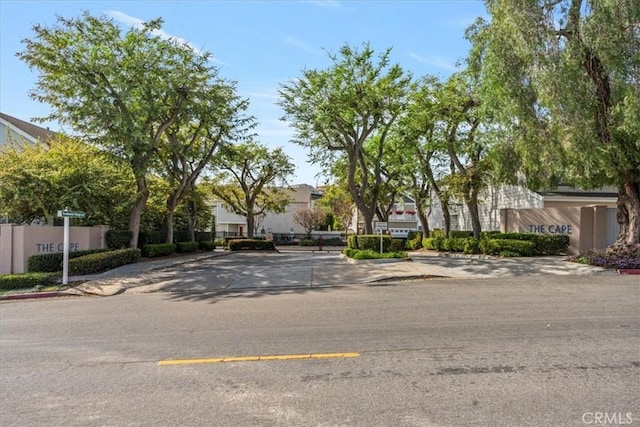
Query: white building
[300, 196]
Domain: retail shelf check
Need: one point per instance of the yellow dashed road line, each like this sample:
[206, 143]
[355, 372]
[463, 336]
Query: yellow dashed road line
[258, 358]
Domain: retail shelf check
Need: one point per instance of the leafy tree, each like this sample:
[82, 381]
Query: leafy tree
[563, 77]
[119, 91]
[37, 180]
[247, 177]
[337, 199]
[340, 109]
[309, 218]
[215, 116]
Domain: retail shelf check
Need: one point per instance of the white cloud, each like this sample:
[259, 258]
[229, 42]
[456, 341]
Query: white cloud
[138, 23]
[325, 3]
[435, 61]
[300, 44]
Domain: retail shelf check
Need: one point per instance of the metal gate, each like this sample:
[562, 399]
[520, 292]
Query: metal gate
[613, 228]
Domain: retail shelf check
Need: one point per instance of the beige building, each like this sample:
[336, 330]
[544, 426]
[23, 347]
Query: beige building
[14, 129]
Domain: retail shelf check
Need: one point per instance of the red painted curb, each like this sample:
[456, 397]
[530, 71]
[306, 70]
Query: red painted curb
[629, 271]
[30, 296]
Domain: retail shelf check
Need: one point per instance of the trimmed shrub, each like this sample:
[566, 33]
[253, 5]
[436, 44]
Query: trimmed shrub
[99, 262]
[454, 244]
[332, 241]
[625, 259]
[219, 242]
[186, 247]
[433, 243]
[118, 239]
[27, 280]
[52, 262]
[308, 242]
[471, 246]
[207, 245]
[396, 245]
[352, 241]
[204, 236]
[460, 234]
[435, 233]
[489, 234]
[413, 235]
[509, 254]
[372, 241]
[151, 238]
[545, 244]
[414, 240]
[495, 246]
[159, 249]
[251, 244]
[369, 254]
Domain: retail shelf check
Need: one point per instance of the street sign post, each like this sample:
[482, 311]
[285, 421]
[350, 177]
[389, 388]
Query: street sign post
[66, 214]
[380, 227]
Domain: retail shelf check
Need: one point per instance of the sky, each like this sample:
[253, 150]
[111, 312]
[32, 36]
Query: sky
[258, 44]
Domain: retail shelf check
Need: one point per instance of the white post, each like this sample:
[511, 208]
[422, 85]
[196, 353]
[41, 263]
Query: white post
[380, 242]
[65, 253]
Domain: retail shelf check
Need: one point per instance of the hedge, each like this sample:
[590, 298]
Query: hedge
[369, 254]
[160, 249]
[27, 280]
[308, 242]
[118, 239]
[507, 247]
[186, 247]
[434, 243]
[352, 241]
[545, 244]
[52, 262]
[207, 245]
[372, 241]
[251, 244]
[460, 234]
[99, 262]
[396, 245]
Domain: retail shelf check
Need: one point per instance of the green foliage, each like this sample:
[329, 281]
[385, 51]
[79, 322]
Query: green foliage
[496, 246]
[372, 241]
[151, 237]
[204, 236]
[360, 254]
[471, 246]
[52, 262]
[414, 235]
[205, 245]
[99, 262]
[37, 179]
[460, 234]
[434, 243]
[396, 245]
[248, 177]
[454, 244]
[414, 243]
[118, 239]
[545, 244]
[436, 232]
[220, 243]
[489, 234]
[158, 250]
[27, 280]
[251, 244]
[186, 247]
[308, 242]
[352, 241]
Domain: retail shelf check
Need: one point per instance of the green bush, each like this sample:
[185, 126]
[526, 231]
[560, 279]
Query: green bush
[27, 280]
[509, 254]
[151, 238]
[186, 247]
[545, 244]
[52, 262]
[454, 244]
[204, 236]
[434, 243]
[414, 240]
[308, 242]
[414, 235]
[332, 241]
[219, 242]
[370, 254]
[435, 233]
[251, 244]
[118, 239]
[396, 245]
[372, 241]
[471, 246]
[352, 241]
[489, 234]
[460, 234]
[495, 246]
[99, 262]
[206, 245]
[159, 249]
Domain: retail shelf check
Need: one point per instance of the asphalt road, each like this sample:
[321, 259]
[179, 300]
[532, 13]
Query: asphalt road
[546, 350]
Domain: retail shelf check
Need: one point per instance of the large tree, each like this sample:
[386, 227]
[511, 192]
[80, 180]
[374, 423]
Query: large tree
[250, 179]
[338, 110]
[216, 116]
[564, 76]
[37, 180]
[119, 90]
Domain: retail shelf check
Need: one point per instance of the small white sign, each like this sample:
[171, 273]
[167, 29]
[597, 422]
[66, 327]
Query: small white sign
[381, 226]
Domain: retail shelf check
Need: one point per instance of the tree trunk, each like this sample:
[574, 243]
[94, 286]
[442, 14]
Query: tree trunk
[250, 220]
[137, 209]
[168, 224]
[424, 222]
[368, 221]
[447, 218]
[192, 220]
[628, 214]
[472, 205]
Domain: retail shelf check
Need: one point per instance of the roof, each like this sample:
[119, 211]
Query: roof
[37, 132]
